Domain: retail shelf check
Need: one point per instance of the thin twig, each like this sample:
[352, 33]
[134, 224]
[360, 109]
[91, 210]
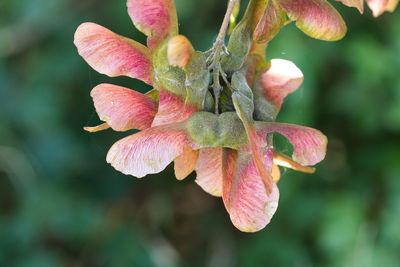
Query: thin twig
[218, 50]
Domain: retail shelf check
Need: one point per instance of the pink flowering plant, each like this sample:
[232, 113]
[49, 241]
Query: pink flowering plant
[211, 112]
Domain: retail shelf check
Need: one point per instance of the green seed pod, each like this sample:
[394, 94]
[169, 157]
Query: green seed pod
[263, 109]
[209, 130]
[197, 80]
[203, 129]
[232, 132]
[172, 79]
[243, 99]
[239, 83]
[241, 38]
[238, 47]
[168, 77]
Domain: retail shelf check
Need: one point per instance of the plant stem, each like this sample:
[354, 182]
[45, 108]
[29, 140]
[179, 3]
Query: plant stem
[225, 24]
[217, 52]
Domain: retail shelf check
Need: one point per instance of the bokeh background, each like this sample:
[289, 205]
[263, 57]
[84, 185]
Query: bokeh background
[62, 205]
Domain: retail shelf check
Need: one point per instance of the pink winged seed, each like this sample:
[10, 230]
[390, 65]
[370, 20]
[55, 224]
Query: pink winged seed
[213, 166]
[279, 80]
[155, 18]
[245, 196]
[149, 151]
[112, 54]
[309, 145]
[316, 18]
[122, 108]
[359, 4]
[378, 7]
[185, 163]
[172, 108]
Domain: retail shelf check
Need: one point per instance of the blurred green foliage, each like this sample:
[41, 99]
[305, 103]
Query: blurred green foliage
[62, 205]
